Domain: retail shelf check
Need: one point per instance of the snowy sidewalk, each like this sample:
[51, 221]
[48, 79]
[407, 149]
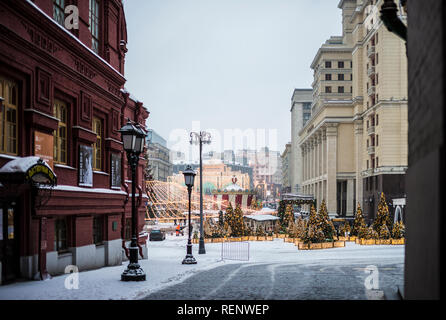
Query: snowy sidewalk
[164, 268]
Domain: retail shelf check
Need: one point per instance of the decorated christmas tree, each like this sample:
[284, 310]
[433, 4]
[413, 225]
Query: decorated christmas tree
[300, 225]
[326, 224]
[384, 232]
[247, 231]
[237, 224]
[344, 229]
[260, 231]
[221, 218]
[398, 230]
[228, 219]
[208, 228]
[313, 231]
[288, 216]
[276, 228]
[292, 230]
[358, 223]
[382, 218]
[281, 211]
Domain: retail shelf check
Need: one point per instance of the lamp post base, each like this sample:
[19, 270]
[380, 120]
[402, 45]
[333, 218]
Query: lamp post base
[189, 260]
[201, 248]
[133, 273]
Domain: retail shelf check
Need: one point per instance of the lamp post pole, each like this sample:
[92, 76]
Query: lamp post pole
[133, 141]
[200, 138]
[189, 175]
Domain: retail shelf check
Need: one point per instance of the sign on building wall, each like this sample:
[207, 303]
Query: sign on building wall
[115, 170]
[85, 166]
[44, 147]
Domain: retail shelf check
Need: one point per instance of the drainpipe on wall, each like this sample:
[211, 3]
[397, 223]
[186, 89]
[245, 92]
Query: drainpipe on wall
[124, 184]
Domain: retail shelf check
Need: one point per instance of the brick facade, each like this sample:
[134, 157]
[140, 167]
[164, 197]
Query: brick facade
[49, 63]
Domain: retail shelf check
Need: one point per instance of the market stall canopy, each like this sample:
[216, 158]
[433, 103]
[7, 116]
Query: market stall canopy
[264, 217]
[32, 170]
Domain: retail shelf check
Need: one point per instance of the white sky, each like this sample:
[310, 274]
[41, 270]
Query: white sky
[229, 64]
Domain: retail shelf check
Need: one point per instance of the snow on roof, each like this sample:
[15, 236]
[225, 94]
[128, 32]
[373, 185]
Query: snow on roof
[21, 165]
[262, 217]
[233, 187]
[266, 209]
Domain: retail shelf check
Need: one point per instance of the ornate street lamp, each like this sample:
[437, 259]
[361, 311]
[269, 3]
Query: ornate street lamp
[189, 176]
[133, 139]
[201, 138]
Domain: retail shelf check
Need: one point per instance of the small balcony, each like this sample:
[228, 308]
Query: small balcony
[371, 150]
[371, 91]
[371, 71]
[371, 51]
[371, 130]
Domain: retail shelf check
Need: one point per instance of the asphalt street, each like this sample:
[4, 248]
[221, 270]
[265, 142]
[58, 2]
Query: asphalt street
[321, 280]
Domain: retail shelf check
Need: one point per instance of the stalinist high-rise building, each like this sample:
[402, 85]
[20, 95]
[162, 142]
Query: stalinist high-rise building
[354, 146]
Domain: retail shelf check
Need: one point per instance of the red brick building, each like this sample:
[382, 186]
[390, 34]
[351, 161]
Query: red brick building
[64, 101]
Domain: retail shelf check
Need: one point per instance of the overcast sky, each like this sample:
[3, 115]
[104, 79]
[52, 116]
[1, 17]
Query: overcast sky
[229, 64]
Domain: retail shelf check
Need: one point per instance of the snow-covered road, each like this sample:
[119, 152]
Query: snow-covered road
[279, 265]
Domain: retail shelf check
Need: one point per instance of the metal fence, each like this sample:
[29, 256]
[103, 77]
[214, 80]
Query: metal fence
[235, 251]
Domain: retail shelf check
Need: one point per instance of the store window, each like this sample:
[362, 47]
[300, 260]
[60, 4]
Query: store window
[98, 230]
[60, 235]
[97, 147]
[8, 117]
[59, 11]
[94, 25]
[60, 135]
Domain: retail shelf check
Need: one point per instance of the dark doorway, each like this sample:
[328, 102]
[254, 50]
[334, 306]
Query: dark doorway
[9, 246]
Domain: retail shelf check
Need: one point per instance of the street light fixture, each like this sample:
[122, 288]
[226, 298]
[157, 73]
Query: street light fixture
[133, 138]
[201, 138]
[189, 176]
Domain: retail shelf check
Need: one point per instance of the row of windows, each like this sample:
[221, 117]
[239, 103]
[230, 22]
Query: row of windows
[61, 227]
[341, 89]
[341, 64]
[9, 129]
[94, 14]
[341, 77]
[8, 116]
[61, 135]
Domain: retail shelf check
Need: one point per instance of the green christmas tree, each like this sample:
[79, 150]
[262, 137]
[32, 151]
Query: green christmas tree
[301, 226]
[358, 223]
[384, 232]
[228, 219]
[398, 230]
[221, 218]
[260, 231]
[313, 231]
[382, 217]
[288, 216]
[281, 211]
[237, 224]
[326, 224]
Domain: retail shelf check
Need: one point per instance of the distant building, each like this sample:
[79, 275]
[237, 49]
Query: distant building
[300, 114]
[158, 156]
[267, 172]
[216, 176]
[286, 173]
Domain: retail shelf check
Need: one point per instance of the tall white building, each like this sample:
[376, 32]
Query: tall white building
[300, 113]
